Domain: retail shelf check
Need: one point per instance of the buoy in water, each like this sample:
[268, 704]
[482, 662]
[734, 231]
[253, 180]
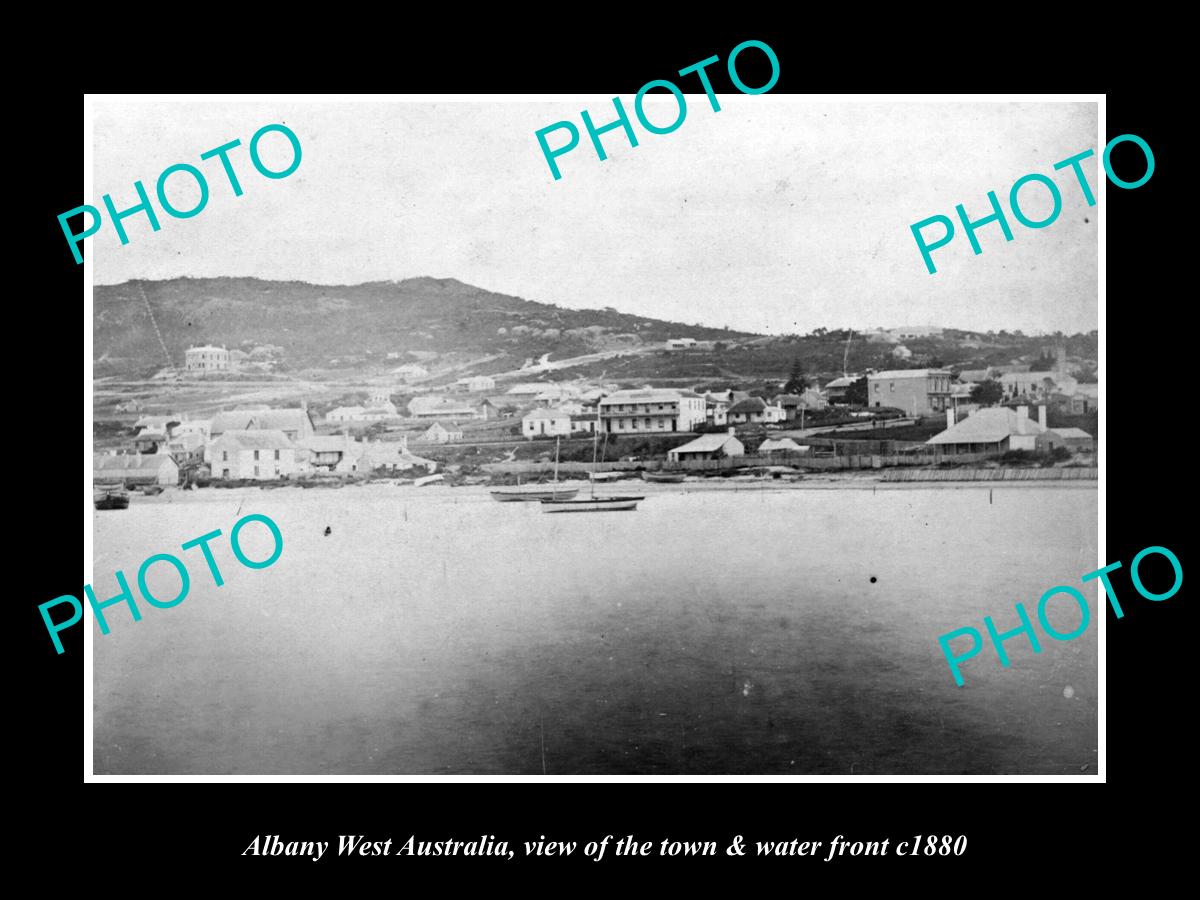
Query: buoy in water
[328, 531]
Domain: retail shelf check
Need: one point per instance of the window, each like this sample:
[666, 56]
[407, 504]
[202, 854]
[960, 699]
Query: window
[256, 471]
[633, 424]
[256, 457]
[892, 386]
[277, 457]
[225, 457]
[647, 423]
[877, 390]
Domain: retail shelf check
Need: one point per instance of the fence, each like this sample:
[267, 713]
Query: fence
[1063, 474]
[802, 461]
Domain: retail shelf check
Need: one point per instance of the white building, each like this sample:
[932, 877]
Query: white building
[543, 422]
[708, 446]
[254, 454]
[651, 409]
[436, 434]
[476, 383]
[206, 359]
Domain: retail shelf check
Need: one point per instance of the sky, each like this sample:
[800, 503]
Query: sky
[773, 215]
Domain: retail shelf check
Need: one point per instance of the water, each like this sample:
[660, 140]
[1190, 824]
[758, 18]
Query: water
[711, 631]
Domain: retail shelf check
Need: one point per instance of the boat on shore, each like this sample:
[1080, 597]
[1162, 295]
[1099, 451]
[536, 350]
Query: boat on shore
[606, 476]
[429, 479]
[662, 477]
[111, 498]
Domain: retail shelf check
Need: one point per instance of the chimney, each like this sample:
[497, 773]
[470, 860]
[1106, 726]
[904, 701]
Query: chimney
[1022, 419]
[732, 430]
[1042, 416]
[949, 416]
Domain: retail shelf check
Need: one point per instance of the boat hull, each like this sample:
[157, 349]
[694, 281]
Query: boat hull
[503, 496]
[662, 479]
[112, 501]
[592, 504]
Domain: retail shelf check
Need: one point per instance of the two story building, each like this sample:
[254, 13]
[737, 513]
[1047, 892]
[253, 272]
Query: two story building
[918, 392]
[651, 410]
[260, 454]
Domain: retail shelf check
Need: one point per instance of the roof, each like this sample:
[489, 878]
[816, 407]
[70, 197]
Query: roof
[1072, 433]
[844, 381]
[986, 426]
[155, 421]
[324, 443]
[130, 462]
[779, 444]
[256, 439]
[648, 395]
[706, 443]
[208, 347]
[909, 373]
[1021, 377]
[547, 414]
[342, 411]
[974, 375]
[437, 427]
[266, 419]
[787, 400]
[749, 405]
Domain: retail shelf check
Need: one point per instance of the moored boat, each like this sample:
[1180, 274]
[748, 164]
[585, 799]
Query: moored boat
[662, 477]
[591, 504]
[533, 492]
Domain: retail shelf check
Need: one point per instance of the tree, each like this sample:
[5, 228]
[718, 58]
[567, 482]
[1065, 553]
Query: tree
[796, 383]
[1044, 363]
[856, 393]
[987, 392]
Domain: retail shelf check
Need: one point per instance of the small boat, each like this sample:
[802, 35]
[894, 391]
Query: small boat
[591, 504]
[429, 479]
[606, 476]
[533, 492]
[115, 498]
[662, 477]
[152, 490]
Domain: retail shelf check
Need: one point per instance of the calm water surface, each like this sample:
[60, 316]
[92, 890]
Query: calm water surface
[711, 631]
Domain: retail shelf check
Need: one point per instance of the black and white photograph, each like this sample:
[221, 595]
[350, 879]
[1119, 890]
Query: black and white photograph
[429, 440]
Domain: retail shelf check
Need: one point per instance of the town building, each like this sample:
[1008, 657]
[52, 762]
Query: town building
[1077, 439]
[296, 424]
[345, 414]
[186, 448]
[543, 422]
[681, 343]
[1036, 385]
[150, 441]
[910, 332]
[259, 454]
[436, 434]
[583, 424]
[754, 411]
[409, 371]
[206, 359]
[791, 404]
[326, 451]
[135, 469]
[708, 446]
[165, 424]
[917, 392]
[444, 408]
[475, 384]
[652, 409]
[997, 429]
[835, 391]
[716, 412]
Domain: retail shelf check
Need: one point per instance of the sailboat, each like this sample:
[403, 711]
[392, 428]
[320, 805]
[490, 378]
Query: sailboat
[531, 492]
[592, 503]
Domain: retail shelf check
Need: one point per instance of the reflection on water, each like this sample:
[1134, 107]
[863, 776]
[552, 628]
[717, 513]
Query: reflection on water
[436, 631]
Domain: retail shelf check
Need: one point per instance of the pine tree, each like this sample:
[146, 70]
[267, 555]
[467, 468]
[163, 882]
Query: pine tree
[796, 383]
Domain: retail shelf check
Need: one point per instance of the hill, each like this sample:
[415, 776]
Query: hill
[307, 326]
